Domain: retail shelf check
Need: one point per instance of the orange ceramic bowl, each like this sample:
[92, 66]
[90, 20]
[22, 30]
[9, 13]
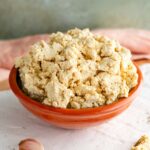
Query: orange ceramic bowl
[73, 118]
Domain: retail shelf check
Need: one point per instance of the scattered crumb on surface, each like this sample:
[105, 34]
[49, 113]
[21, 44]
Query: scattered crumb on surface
[142, 144]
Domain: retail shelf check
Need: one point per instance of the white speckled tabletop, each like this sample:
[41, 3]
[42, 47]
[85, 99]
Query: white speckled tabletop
[16, 123]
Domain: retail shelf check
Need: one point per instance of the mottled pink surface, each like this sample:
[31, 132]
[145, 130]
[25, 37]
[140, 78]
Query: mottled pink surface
[138, 41]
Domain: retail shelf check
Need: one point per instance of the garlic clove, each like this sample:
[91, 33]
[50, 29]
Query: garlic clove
[30, 144]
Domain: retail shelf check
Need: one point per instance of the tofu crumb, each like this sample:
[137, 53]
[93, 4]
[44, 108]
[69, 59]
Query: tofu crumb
[142, 144]
[77, 69]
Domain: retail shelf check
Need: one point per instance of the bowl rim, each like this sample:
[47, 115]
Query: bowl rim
[68, 111]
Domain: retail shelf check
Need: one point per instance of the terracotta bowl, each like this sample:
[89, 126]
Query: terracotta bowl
[73, 118]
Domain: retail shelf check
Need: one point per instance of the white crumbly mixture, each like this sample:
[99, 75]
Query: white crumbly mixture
[77, 70]
[142, 144]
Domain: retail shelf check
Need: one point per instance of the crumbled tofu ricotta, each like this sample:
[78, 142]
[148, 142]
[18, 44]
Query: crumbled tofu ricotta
[142, 144]
[77, 70]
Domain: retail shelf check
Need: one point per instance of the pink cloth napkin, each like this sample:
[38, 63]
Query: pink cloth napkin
[138, 41]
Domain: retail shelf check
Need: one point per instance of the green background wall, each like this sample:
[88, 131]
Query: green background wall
[23, 17]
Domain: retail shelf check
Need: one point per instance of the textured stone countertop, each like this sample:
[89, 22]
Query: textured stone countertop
[16, 123]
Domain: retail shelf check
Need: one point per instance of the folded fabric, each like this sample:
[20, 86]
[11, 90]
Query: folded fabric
[138, 41]
[10, 49]
[4, 73]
